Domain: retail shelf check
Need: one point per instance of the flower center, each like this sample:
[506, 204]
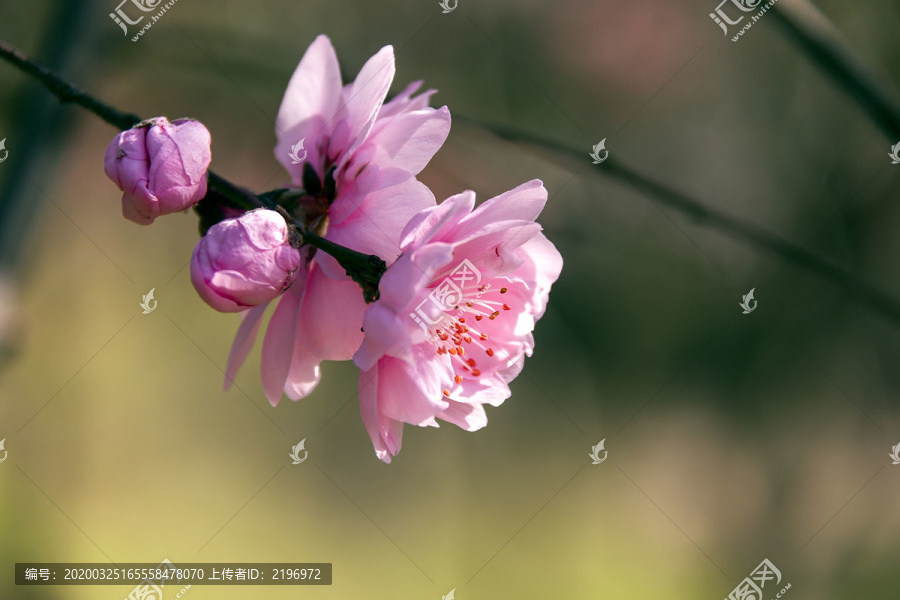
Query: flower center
[459, 332]
[310, 205]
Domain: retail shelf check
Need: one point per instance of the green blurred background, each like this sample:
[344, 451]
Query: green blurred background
[731, 437]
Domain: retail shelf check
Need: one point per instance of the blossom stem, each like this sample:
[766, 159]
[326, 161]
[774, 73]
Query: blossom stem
[65, 91]
[364, 269]
[710, 217]
[239, 196]
[815, 34]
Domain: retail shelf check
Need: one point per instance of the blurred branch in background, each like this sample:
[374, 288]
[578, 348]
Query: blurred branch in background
[817, 36]
[709, 217]
[38, 127]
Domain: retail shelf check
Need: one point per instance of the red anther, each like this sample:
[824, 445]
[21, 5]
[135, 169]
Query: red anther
[458, 379]
[490, 352]
[506, 307]
[447, 393]
[476, 372]
[479, 317]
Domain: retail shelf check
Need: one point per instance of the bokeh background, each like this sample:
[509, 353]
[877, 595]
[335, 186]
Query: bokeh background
[731, 437]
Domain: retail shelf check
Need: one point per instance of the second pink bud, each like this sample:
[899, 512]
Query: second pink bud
[244, 262]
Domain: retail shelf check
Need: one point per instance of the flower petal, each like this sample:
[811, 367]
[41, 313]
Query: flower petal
[366, 94]
[386, 435]
[243, 341]
[492, 390]
[311, 102]
[428, 223]
[387, 334]
[304, 374]
[278, 345]
[404, 102]
[523, 203]
[409, 141]
[400, 284]
[411, 392]
[542, 264]
[332, 316]
[470, 417]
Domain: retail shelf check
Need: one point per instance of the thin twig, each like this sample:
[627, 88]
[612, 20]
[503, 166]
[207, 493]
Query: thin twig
[826, 46]
[364, 269]
[710, 217]
[66, 92]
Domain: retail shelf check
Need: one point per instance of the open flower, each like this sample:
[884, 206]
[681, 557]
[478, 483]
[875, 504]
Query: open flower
[353, 161]
[160, 167]
[455, 318]
[244, 262]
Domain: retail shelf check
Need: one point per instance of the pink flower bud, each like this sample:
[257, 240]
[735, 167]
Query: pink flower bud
[244, 262]
[160, 167]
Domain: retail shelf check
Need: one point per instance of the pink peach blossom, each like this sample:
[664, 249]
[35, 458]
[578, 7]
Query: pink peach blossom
[359, 158]
[456, 313]
[243, 262]
[160, 167]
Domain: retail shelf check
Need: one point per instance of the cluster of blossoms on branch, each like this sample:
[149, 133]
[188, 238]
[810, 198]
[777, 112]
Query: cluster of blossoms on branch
[439, 333]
